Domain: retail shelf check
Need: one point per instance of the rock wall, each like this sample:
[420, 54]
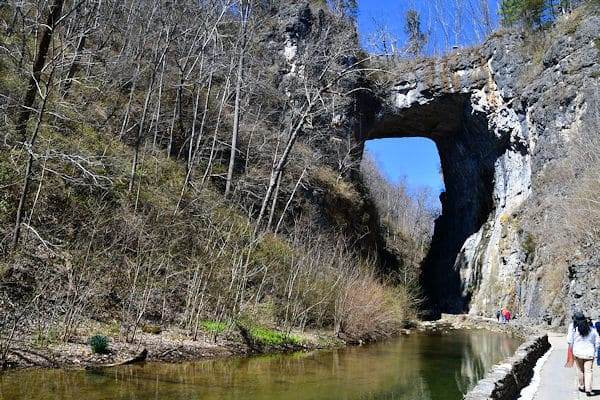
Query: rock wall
[506, 380]
[500, 115]
[503, 116]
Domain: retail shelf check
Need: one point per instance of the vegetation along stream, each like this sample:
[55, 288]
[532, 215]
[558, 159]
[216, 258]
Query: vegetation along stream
[435, 367]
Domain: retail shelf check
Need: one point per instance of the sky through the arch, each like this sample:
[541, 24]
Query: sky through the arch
[416, 160]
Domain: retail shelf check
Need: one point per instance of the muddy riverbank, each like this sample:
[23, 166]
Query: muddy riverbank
[174, 345]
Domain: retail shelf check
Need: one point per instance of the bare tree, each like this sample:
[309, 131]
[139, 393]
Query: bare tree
[30, 146]
[48, 29]
[416, 38]
[407, 216]
[245, 7]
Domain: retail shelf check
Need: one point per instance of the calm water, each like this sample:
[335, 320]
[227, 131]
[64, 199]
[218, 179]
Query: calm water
[414, 367]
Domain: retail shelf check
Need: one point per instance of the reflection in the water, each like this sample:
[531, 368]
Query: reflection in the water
[416, 367]
[481, 352]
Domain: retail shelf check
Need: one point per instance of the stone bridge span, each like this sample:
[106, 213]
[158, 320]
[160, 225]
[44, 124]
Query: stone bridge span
[484, 151]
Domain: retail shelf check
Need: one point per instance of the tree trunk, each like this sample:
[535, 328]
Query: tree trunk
[141, 357]
[74, 65]
[281, 163]
[139, 137]
[289, 202]
[38, 66]
[236, 113]
[28, 172]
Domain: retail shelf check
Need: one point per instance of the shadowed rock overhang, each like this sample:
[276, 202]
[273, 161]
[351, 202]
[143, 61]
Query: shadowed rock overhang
[458, 108]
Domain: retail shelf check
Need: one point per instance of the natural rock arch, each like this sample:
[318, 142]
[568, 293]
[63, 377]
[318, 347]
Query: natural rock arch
[476, 135]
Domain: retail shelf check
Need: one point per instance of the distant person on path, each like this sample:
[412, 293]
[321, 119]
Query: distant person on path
[505, 315]
[584, 342]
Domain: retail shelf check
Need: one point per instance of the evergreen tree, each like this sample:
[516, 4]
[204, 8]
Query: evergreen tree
[529, 13]
[417, 39]
[509, 11]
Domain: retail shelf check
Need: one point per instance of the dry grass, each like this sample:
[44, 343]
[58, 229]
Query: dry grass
[369, 308]
[336, 186]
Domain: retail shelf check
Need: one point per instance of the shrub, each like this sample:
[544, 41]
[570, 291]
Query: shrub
[214, 327]
[528, 244]
[264, 313]
[269, 337]
[273, 250]
[99, 344]
[368, 309]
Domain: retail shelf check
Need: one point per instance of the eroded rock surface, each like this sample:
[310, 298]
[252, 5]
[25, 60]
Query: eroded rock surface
[499, 116]
[504, 117]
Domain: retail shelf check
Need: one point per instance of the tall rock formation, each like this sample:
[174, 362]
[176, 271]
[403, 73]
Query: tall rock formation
[500, 115]
[504, 117]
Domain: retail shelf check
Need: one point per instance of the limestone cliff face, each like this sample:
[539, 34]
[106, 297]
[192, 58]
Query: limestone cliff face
[306, 40]
[499, 114]
[502, 115]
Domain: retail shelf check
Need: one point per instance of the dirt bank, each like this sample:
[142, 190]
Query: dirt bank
[175, 345]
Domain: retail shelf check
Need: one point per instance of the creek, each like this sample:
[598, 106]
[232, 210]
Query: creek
[419, 366]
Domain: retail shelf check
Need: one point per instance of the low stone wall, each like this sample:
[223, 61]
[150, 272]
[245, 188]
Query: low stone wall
[505, 381]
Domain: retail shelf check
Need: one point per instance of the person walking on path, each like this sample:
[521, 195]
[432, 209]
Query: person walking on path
[596, 325]
[583, 342]
[504, 315]
[507, 315]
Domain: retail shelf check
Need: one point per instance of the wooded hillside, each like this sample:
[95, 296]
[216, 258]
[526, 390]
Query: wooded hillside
[174, 163]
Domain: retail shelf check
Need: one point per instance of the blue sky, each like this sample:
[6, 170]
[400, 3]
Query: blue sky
[416, 159]
[447, 22]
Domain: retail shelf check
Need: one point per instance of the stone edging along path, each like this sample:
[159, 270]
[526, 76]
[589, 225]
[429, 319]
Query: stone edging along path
[505, 380]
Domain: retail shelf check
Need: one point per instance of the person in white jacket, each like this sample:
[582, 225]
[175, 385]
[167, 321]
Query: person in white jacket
[584, 341]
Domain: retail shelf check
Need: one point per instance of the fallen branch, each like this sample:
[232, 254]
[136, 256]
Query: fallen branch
[247, 337]
[169, 351]
[29, 360]
[137, 359]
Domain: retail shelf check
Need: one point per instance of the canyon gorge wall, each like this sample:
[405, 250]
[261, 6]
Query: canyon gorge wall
[504, 117]
[508, 118]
